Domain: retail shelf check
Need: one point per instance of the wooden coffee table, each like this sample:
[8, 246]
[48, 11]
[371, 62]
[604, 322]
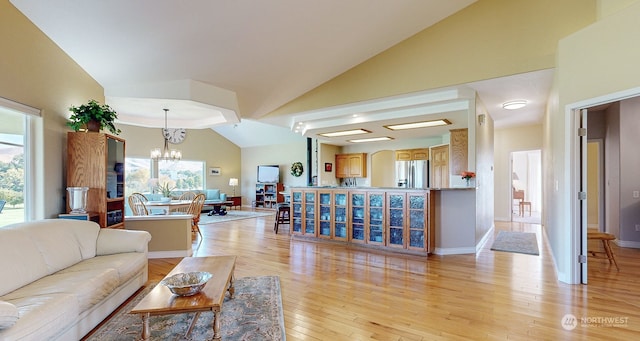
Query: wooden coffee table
[160, 301]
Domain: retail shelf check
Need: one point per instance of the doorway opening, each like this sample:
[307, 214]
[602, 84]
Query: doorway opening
[526, 180]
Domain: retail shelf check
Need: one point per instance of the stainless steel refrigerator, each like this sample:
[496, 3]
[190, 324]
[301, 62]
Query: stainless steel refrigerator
[412, 174]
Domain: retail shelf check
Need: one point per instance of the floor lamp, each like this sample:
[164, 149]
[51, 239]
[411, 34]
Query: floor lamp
[233, 182]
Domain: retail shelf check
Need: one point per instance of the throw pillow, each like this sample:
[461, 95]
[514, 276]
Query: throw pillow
[8, 314]
[213, 194]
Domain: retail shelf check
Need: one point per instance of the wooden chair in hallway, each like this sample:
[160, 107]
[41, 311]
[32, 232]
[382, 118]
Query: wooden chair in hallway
[194, 210]
[136, 203]
[282, 216]
[605, 238]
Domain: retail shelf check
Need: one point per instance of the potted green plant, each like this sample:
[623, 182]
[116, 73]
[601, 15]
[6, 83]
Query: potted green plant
[93, 116]
[166, 190]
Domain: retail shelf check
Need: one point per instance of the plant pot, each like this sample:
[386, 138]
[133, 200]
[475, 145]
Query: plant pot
[93, 125]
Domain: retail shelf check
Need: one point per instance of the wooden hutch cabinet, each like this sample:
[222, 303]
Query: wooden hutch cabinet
[96, 160]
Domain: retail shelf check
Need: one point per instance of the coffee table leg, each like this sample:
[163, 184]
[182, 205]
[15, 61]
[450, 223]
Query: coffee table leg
[232, 290]
[216, 325]
[145, 327]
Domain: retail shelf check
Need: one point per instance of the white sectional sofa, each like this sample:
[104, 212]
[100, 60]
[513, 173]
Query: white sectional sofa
[59, 278]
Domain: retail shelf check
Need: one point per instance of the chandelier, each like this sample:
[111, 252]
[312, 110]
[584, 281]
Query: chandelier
[165, 153]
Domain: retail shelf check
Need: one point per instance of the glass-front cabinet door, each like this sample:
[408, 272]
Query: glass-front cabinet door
[339, 215]
[396, 219]
[296, 212]
[417, 220]
[324, 214]
[310, 213]
[375, 204]
[357, 217]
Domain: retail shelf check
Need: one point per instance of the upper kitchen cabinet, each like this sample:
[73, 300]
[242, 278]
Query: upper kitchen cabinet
[412, 154]
[459, 150]
[351, 165]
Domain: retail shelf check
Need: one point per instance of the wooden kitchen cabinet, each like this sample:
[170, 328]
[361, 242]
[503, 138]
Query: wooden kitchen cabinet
[397, 220]
[412, 154]
[459, 150]
[96, 160]
[351, 165]
[304, 212]
[440, 166]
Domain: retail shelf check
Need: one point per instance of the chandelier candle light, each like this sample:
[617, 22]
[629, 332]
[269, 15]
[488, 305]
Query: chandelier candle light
[166, 153]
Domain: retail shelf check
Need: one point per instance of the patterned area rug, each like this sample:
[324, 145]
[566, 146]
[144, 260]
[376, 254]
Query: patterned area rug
[232, 215]
[518, 242]
[254, 313]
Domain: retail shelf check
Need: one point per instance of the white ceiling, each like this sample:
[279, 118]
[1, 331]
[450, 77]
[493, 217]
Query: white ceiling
[225, 64]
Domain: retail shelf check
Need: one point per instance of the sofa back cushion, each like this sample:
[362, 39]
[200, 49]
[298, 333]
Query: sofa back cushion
[32, 250]
[213, 194]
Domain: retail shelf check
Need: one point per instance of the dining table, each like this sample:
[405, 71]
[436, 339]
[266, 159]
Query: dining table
[167, 206]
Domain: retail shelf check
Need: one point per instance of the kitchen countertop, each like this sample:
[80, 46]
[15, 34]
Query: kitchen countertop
[384, 188]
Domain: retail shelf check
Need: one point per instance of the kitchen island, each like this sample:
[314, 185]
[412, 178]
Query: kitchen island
[393, 219]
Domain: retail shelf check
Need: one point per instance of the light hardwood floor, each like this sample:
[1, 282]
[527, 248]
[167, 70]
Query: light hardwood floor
[333, 292]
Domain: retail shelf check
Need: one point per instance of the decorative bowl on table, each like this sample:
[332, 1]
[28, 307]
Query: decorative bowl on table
[187, 284]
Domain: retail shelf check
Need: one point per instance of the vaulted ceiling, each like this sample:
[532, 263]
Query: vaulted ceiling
[225, 64]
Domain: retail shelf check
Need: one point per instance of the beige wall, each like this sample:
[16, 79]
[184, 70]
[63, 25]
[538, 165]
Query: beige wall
[487, 39]
[283, 155]
[582, 77]
[483, 159]
[507, 141]
[199, 145]
[37, 73]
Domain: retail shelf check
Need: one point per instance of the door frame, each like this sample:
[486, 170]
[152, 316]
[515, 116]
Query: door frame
[578, 231]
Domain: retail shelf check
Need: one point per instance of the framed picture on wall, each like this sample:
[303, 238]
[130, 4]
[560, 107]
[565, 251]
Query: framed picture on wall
[328, 166]
[214, 171]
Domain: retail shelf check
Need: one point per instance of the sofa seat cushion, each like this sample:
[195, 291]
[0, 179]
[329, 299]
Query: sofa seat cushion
[88, 287]
[8, 314]
[41, 316]
[126, 265]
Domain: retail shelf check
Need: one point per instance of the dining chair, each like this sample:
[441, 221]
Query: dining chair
[194, 210]
[136, 203]
[185, 196]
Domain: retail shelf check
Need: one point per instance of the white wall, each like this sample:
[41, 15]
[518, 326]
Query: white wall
[507, 141]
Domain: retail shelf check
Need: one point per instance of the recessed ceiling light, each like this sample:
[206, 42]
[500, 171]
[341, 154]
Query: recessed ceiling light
[423, 124]
[512, 105]
[373, 139]
[345, 133]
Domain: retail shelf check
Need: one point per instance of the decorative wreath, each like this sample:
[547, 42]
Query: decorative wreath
[296, 169]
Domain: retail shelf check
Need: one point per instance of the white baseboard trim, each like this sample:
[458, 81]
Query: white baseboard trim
[170, 254]
[486, 237]
[502, 218]
[626, 243]
[454, 251]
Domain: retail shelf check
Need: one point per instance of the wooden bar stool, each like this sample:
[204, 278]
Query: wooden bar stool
[282, 216]
[605, 238]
